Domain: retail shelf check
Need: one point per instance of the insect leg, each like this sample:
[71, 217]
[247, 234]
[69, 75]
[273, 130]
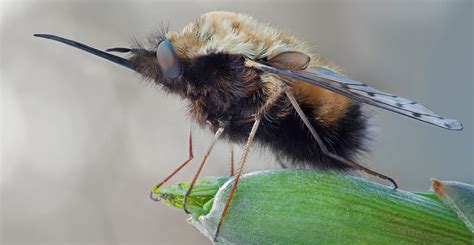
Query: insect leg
[258, 117]
[231, 160]
[323, 147]
[152, 193]
[209, 149]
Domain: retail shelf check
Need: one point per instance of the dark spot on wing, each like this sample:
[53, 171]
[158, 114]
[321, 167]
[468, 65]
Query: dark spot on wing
[402, 105]
[416, 114]
[371, 94]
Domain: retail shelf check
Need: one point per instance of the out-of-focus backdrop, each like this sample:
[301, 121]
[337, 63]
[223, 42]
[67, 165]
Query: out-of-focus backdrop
[83, 140]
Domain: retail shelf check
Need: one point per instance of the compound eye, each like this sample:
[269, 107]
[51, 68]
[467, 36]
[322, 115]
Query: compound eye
[167, 59]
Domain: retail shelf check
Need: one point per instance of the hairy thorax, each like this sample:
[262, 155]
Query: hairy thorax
[216, 45]
[220, 88]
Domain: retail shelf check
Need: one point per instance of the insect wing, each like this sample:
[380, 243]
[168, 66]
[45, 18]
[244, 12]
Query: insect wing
[361, 92]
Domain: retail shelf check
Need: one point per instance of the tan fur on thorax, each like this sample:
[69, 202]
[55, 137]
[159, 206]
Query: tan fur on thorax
[243, 35]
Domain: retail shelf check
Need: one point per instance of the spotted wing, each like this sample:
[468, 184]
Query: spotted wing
[361, 92]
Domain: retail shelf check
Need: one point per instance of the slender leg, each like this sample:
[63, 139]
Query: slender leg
[268, 104]
[201, 165]
[231, 160]
[152, 194]
[323, 147]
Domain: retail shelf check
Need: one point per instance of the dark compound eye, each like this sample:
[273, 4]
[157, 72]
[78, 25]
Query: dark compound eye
[167, 59]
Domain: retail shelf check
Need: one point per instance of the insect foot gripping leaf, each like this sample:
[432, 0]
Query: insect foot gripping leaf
[199, 201]
[303, 206]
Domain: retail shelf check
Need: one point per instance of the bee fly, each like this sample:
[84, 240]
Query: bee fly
[250, 83]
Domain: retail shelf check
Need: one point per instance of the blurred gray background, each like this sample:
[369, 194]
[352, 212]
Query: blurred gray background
[83, 141]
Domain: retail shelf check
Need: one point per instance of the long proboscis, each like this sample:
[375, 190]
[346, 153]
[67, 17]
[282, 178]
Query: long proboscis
[110, 57]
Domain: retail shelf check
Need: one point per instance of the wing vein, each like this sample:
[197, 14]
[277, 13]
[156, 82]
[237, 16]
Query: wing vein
[362, 93]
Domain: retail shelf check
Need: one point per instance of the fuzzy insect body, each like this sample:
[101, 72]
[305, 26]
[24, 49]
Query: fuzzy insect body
[220, 88]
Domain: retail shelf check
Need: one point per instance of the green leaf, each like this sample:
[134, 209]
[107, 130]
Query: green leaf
[199, 201]
[303, 206]
[459, 196]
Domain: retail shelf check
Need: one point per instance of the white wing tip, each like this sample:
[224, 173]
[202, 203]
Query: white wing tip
[452, 124]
